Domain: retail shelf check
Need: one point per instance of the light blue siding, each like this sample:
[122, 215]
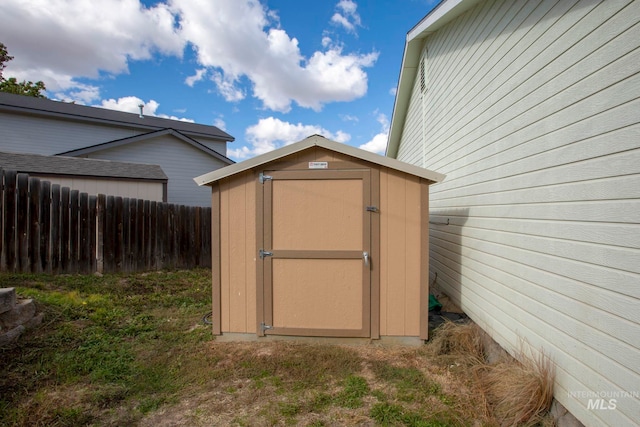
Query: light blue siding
[42, 135]
[179, 160]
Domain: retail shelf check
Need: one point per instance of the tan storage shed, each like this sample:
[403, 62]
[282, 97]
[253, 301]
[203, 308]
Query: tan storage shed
[320, 239]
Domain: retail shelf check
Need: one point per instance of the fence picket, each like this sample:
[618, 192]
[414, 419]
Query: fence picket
[44, 201]
[48, 228]
[9, 232]
[34, 226]
[74, 230]
[56, 241]
[22, 224]
[84, 247]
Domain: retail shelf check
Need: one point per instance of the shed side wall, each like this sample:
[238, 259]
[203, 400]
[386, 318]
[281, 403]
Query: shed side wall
[532, 113]
[399, 254]
[238, 253]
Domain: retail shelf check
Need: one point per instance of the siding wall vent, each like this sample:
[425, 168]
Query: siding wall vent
[423, 80]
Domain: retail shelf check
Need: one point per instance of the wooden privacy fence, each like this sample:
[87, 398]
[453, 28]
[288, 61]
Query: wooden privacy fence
[48, 228]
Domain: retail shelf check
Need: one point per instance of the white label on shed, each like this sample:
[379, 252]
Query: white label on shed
[318, 165]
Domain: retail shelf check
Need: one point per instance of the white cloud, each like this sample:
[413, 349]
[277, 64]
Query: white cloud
[347, 16]
[378, 144]
[267, 56]
[220, 124]
[198, 76]
[76, 38]
[227, 88]
[81, 93]
[393, 91]
[239, 44]
[271, 133]
[130, 104]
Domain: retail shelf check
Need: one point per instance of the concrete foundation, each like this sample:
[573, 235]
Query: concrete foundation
[16, 315]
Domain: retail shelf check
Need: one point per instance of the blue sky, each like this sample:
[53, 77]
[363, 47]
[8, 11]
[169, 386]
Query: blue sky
[268, 72]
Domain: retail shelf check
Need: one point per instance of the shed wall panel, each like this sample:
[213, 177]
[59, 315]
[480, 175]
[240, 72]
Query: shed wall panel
[532, 113]
[400, 254]
[238, 253]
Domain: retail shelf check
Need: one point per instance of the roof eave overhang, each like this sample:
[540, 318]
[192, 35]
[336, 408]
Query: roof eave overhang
[442, 14]
[318, 141]
[19, 109]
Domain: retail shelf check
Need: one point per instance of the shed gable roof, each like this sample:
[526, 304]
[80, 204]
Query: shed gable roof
[443, 13]
[318, 141]
[65, 110]
[72, 166]
[143, 137]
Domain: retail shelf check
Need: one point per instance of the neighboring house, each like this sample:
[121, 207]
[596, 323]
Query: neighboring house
[183, 150]
[532, 110]
[132, 180]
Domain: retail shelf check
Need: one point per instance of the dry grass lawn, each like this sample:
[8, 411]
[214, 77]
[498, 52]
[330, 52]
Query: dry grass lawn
[132, 350]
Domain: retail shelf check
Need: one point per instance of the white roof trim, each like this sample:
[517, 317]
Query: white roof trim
[319, 141]
[446, 11]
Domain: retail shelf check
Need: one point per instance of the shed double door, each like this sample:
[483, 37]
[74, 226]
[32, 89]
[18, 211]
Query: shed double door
[316, 256]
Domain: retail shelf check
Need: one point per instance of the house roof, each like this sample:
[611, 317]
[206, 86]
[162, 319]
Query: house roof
[72, 166]
[443, 13]
[317, 141]
[65, 110]
[149, 135]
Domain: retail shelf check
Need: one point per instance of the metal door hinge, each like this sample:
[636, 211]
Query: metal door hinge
[372, 209]
[264, 326]
[262, 178]
[264, 253]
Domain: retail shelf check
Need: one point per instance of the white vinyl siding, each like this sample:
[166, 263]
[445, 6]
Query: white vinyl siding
[180, 161]
[410, 149]
[533, 113]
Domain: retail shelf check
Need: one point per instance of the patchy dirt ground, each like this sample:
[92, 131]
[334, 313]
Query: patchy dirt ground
[275, 397]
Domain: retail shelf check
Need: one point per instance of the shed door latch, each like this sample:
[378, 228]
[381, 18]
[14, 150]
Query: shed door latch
[372, 209]
[264, 254]
[265, 327]
[262, 178]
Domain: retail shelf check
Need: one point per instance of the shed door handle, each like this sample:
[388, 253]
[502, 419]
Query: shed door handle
[365, 255]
